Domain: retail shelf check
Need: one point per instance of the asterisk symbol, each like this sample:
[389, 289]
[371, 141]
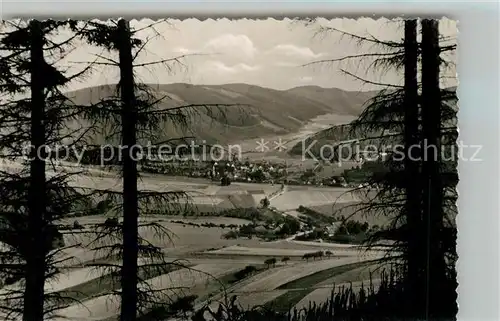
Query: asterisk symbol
[280, 145]
[262, 146]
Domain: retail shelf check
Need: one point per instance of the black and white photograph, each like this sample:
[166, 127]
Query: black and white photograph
[294, 169]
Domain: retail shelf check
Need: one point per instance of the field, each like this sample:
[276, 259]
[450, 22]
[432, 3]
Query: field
[226, 258]
[180, 282]
[207, 255]
[350, 210]
[303, 196]
[270, 285]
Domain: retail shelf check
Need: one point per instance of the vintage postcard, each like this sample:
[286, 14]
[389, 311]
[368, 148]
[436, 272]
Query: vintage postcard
[229, 169]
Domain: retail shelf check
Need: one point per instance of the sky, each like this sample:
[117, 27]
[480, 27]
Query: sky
[269, 53]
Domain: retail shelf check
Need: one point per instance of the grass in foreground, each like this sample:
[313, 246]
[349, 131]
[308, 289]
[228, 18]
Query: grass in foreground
[383, 302]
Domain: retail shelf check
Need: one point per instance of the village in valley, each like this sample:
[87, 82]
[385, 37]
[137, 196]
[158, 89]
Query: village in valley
[313, 218]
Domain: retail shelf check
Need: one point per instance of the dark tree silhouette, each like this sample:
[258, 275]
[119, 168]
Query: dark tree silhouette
[35, 263]
[269, 262]
[411, 164]
[395, 116]
[136, 115]
[431, 170]
[264, 202]
[34, 113]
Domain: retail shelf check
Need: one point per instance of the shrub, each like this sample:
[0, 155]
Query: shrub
[247, 230]
[231, 235]
[270, 262]
[265, 202]
[56, 238]
[248, 270]
[77, 225]
[344, 238]
[269, 236]
[183, 304]
[111, 222]
[314, 235]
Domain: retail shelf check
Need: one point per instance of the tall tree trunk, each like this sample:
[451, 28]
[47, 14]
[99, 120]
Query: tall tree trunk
[35, 260]
[129, 277]
[432, 198]
[413, 191]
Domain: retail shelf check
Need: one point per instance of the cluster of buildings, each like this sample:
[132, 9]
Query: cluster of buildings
[234, 170]
[247, 171]
[261, 171]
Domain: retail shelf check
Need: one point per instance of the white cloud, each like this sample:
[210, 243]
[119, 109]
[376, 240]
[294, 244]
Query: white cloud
[247, 67]
[220, 67]
[306, 79]
[229, 44]
[290, 50]
[237, 49]
[182, 50]
[286, 64]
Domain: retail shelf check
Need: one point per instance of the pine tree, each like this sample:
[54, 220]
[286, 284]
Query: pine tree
[411, 164]
[35, 263]
[433, 213]
[401, 191]
[33, 112]
[135, 111]
[129, 280]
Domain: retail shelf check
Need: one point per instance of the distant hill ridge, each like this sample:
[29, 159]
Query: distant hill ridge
[262, 111]
[339, 133]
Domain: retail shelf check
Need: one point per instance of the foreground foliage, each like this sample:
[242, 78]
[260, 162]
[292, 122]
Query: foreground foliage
[368, 303]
